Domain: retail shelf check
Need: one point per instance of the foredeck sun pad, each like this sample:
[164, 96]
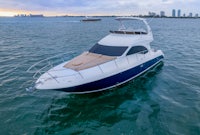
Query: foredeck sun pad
[87, 60]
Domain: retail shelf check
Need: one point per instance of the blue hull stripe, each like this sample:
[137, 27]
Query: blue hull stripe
[112, 80]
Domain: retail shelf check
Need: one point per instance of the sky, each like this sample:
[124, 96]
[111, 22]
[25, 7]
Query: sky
[96, 7]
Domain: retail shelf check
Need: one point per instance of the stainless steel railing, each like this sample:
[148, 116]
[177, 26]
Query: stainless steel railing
[37, 69]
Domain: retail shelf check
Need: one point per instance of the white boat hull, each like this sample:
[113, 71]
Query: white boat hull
[101, 77]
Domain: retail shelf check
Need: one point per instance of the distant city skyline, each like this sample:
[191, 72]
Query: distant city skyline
[178, 13]
[96, 7]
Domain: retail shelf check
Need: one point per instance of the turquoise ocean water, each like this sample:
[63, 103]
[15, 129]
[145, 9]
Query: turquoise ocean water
[164, 101]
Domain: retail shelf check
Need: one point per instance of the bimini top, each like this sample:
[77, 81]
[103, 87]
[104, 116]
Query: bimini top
[127, 35]
[126, 30]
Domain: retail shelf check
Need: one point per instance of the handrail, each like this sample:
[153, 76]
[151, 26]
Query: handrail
[29, 69]
[40, 70]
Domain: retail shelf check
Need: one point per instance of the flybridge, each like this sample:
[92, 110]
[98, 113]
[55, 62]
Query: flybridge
[123, 29]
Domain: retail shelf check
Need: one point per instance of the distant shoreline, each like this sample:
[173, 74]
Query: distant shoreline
[100, 16]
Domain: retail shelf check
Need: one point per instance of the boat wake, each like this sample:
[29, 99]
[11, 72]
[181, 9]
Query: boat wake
[30, 89]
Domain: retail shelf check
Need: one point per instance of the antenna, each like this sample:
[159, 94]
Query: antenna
[122, 27]
[151, 19]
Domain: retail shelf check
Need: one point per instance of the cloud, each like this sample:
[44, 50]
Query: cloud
[97, 6]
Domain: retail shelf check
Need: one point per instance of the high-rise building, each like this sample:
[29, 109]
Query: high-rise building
[162, 14]
[196, 15]
[190, 14]
[173, 13]
[179, 13]
[152, 14]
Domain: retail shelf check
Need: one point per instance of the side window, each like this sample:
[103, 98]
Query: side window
[137, 49]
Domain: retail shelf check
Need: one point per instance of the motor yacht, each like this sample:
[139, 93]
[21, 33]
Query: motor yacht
[90, 19]
[119, 57]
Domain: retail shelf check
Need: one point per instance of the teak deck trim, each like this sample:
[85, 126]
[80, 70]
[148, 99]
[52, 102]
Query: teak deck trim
[87, 60]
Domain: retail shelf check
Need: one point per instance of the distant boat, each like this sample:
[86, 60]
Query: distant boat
[88, 19]
[40, 15]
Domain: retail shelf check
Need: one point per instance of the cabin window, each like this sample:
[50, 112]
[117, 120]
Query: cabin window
[108, 50]
[137, 49]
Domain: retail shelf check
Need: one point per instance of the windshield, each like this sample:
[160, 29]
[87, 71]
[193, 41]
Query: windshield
[108, 50]
[133, 25]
